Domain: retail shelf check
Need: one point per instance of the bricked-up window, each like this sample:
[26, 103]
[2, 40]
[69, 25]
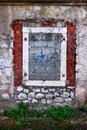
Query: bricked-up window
[44, 56]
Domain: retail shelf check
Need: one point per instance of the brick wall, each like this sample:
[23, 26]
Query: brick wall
[17, 52]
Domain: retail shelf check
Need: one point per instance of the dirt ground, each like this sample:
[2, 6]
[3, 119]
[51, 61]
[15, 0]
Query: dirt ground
[79, 123]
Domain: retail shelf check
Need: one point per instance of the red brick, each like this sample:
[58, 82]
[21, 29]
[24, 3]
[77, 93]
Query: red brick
[17, 51]
[71, 56]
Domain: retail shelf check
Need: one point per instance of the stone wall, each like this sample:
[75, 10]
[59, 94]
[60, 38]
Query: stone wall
[44, 97]
[6, 73]
[76, 14]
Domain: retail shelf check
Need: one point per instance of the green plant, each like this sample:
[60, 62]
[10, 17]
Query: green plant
[36, 113]
[4, 128]
[20, 112]
[83, 108]
[50, 121]
[70, 127]
[61, 113]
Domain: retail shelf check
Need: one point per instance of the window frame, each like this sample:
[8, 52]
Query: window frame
[63, 69]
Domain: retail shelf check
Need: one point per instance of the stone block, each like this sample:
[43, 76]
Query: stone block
[37, 90]
[39, 96]
[58, 104]
[52, 90]
[44, 90]
[31, 95]
[34, 100]
[26, 91]
[58, 100]
[48, 96]
[22, 96]
[68, 100]
[72, 95]
[19, 89]
[49, 101]
[26, 101]
[43, 101]
[56, 94]
[29, 99]
[65, 94]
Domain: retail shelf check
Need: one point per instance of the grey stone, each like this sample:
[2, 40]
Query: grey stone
[65, 94]
[34, 100]
[26, 101]
[71, 87]
[56, 94]
[49, 101]
[58, 104]
[65, 104]
[36, 90]
[72, 94]
[22, 96]
[31, 95]
[51, 90]
[39, 96]
[26, 91]
[49, 95]
[19, 89]
[5, 96]
[29, 99]
[68, 100]
[44, 90]
[18, 102]
[60, 90]
[58, 100]
[43, 101]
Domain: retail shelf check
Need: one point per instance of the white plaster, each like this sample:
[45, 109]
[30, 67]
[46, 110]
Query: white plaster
[0, 72]
[5, 96]
[3, 87]
[8, 71]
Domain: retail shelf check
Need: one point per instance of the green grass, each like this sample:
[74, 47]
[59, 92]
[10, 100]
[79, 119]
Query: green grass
[24, 116]
[83, 108]
[62, 113]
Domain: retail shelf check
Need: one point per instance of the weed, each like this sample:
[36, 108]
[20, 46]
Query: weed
[83, 108]
[69, 127]
[36, 113]
[53, 122]
[20, 112]
[4, 128]
[61, 113]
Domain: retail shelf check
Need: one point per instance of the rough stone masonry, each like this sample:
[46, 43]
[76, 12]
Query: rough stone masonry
[42, 97]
